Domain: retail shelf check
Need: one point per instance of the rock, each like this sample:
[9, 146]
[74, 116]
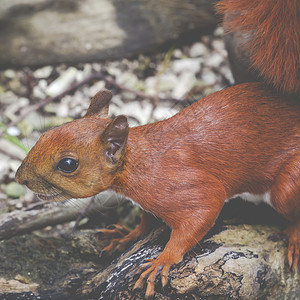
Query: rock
[62, 82]
[62, 110]
[191, 65]
[208, 76]
[87, 70]
[150, 83]
[99, 85]
[127, 79]
[13, 131]
[74, 105]
[177, 53]
[214, 60]
[8, 97]
[33, 121]
[38, 92]
[43, 72]
[219, 31]
[11, 110]
[15, 85]
[93, 30]
[138, 112]
[227, 74]
[9, 73]
[199, 49]
[185, 83]
[14, 190]
[219, 46]
[165, 82]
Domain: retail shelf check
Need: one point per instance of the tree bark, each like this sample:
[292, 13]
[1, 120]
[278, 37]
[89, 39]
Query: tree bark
[232, 262]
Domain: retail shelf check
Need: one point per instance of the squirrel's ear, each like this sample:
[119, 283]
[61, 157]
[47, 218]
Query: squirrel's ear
[99, 104]
[114, 139]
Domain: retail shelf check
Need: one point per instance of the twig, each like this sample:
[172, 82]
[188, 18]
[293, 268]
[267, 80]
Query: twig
[11, 155]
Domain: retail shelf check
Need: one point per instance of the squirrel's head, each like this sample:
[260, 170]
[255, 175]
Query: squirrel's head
[78, 159]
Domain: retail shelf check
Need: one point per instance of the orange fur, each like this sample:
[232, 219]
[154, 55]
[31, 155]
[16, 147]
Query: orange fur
[274, 45]
[242, 139]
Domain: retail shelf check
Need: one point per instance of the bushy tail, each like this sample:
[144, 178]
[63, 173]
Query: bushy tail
[275, 44]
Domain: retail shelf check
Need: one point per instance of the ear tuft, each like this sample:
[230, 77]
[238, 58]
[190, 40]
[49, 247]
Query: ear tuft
[99, 104]
[114, 139]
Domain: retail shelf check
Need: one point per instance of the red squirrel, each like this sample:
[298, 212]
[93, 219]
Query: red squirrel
[239, 141]
[243, 139]
[263, 41]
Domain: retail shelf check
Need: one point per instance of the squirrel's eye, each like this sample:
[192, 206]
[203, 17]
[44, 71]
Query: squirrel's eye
[67, 165]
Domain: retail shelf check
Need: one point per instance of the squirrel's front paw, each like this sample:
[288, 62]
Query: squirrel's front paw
[154, 267]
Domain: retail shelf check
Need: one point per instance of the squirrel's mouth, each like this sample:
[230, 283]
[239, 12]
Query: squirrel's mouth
[58, 196]
[49, 192]
[54, 196]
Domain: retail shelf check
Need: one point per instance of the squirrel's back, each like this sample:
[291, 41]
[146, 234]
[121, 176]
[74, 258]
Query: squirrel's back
[229, 133]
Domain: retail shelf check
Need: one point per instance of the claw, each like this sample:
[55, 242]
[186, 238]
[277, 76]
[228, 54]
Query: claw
[296, 258]
[293, 234]
[150, 284]
[140, 282]
[154, 268]
[164, 276]
[113, 230]
[293, 256]
[290, 256]
[150, 274]
[149, 291]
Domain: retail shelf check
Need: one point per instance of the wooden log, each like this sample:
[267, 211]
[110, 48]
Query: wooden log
[236, 262]
[239, 262]
[41, 32]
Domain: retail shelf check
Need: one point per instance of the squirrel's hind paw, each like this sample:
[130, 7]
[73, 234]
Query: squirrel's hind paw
[293, 234]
